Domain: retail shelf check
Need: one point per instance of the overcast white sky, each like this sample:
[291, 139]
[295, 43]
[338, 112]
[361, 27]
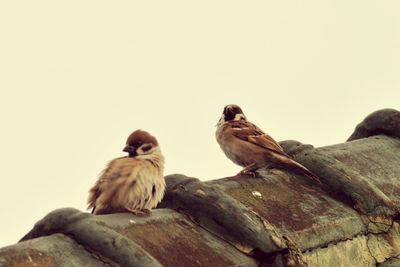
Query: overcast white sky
[76, 77]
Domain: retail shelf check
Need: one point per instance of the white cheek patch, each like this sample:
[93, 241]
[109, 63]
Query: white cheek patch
[140, 151]
[239, 117]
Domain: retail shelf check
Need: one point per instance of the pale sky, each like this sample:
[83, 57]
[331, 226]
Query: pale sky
[77, 77]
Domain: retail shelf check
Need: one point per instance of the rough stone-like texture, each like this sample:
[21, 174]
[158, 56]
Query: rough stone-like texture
[166, 232]
[54, 250]
[85, 229]
[275, 219]
[395, 262]
[385, 246]
[360, 173]
[124, 239]
[384, 121]
[295, 207]
[353, 253]
[223, 215]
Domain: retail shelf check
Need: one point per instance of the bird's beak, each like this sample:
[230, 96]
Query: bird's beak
[130, 149]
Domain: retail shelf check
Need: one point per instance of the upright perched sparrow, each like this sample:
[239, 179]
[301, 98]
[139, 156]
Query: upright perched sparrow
[134, 183]
[248, 146]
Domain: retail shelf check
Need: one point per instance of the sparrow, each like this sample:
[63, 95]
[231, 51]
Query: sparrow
[248, 146]
[134, 183]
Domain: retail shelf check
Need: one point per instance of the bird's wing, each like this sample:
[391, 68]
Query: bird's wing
[94, 193]
[249, 132]
[116, 173]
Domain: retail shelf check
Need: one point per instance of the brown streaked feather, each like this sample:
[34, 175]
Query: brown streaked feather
[96, 190]
[107, 185]
[249, 132]
[94, 193]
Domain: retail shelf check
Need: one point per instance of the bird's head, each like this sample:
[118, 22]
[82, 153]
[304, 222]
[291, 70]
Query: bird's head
[232, 113]
[140, 143]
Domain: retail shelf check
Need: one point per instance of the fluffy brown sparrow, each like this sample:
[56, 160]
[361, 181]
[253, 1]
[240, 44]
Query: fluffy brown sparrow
[134, 183]
[248, 146]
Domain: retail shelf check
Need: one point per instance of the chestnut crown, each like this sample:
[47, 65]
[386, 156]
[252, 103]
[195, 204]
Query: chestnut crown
[140, 143]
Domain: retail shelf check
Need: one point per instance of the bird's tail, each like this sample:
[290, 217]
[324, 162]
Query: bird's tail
[300, 169]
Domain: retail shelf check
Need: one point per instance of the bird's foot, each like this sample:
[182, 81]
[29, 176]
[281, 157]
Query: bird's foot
[147, 211]
[142, 212]
[249, 173]
[250, 170]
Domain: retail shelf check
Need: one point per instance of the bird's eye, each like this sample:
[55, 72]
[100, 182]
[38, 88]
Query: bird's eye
[146, 148]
